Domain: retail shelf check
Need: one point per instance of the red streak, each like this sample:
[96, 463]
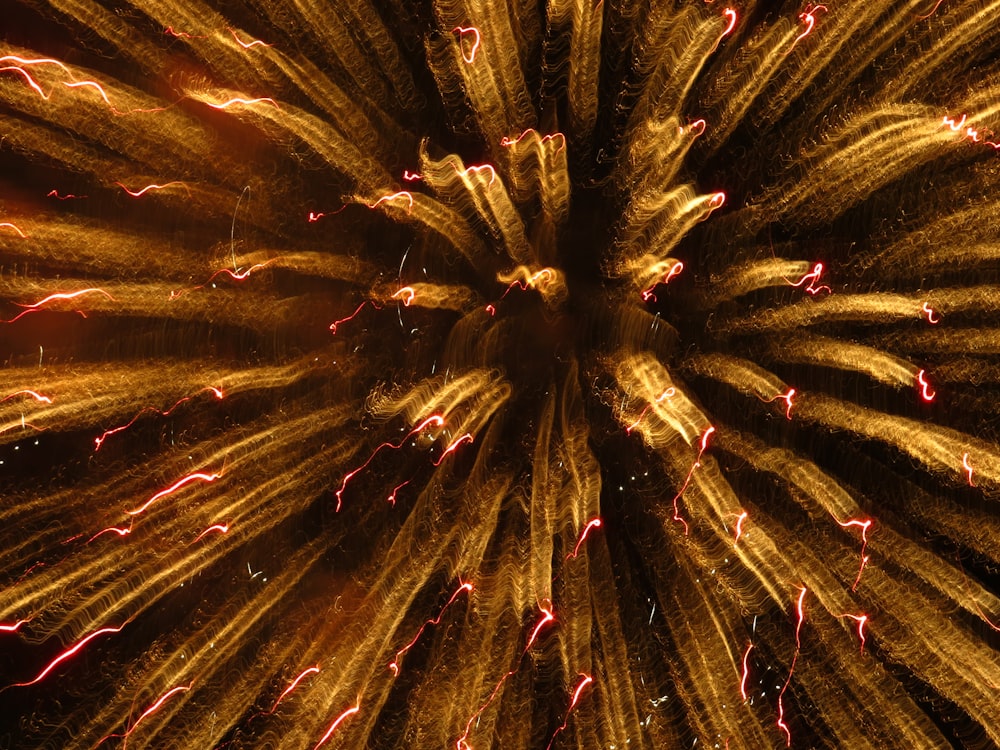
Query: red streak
[968, 467]
[477, 169]
[67, 654]
[156, 706]
[412, 176]
[809, 20]
[669, 393]
[746, 671]
[221, 528]
[926, 393]
[394, 666]
[400, 194]
[122, 532]
[336, 723]
[675, 270]
[54, 297]
[583, 537]
[334, 324]
[466, 438]
[584, 681]
[861, 619]
[812, 277]
[99, 441]
[435, 419]
[392, 498]
[933, 10]
[739, 526]
[8, 225]
[787, 398]
[11, 628]
[248, 45]
[864, 525]
[407, 293]
[462, 31]
[68, 196]
[295, 684]
[798, 645]
[687, 480]
[37, 396]
[169, 31]
[731, 15]
[930, 314]
[506, 141]
[196, 477]
[239, 100]
[143, 191]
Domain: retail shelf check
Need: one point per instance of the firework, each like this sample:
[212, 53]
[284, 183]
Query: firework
[396, 374]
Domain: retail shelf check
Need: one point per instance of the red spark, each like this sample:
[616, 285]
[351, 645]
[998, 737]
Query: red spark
[246, 102]
[196, 477]
[407, 293]
[248, 45]
[507, 141]
[316, 216]
[13, 628]
[809, 20]
[142, 191]
[466, 438]
[8, 225]
[293, 685]
[394, 665]
[930, 312]
[731, 15]
[99, 441]
[668, 393]
[435, 420]
[690, 474]
[221, 528]
[862, 620]
[68, 196]
[585, 680]
[798, 645]
[412, 176]
[336, 723]
[122, 532]
[68, 654]
[968, 467]
[234, 275]
[37, 396]
[27, 77]
[477, 168]
[926, 392]
[739, 527]
[812, 277]
[647, 295]
[393, 196]
[864, 525]
[491, 310]
[54, 297]
[595, 523]
[786, 397]
[462, 31]
[334, 324]
[169, 31]
[151, 710]
[933, 10]
[548, 616]
[392, 498]
[746, 671]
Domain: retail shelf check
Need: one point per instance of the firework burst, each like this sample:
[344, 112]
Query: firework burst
[520, 375]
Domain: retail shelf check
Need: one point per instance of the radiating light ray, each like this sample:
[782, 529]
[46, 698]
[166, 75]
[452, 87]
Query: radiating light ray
[394, 666]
